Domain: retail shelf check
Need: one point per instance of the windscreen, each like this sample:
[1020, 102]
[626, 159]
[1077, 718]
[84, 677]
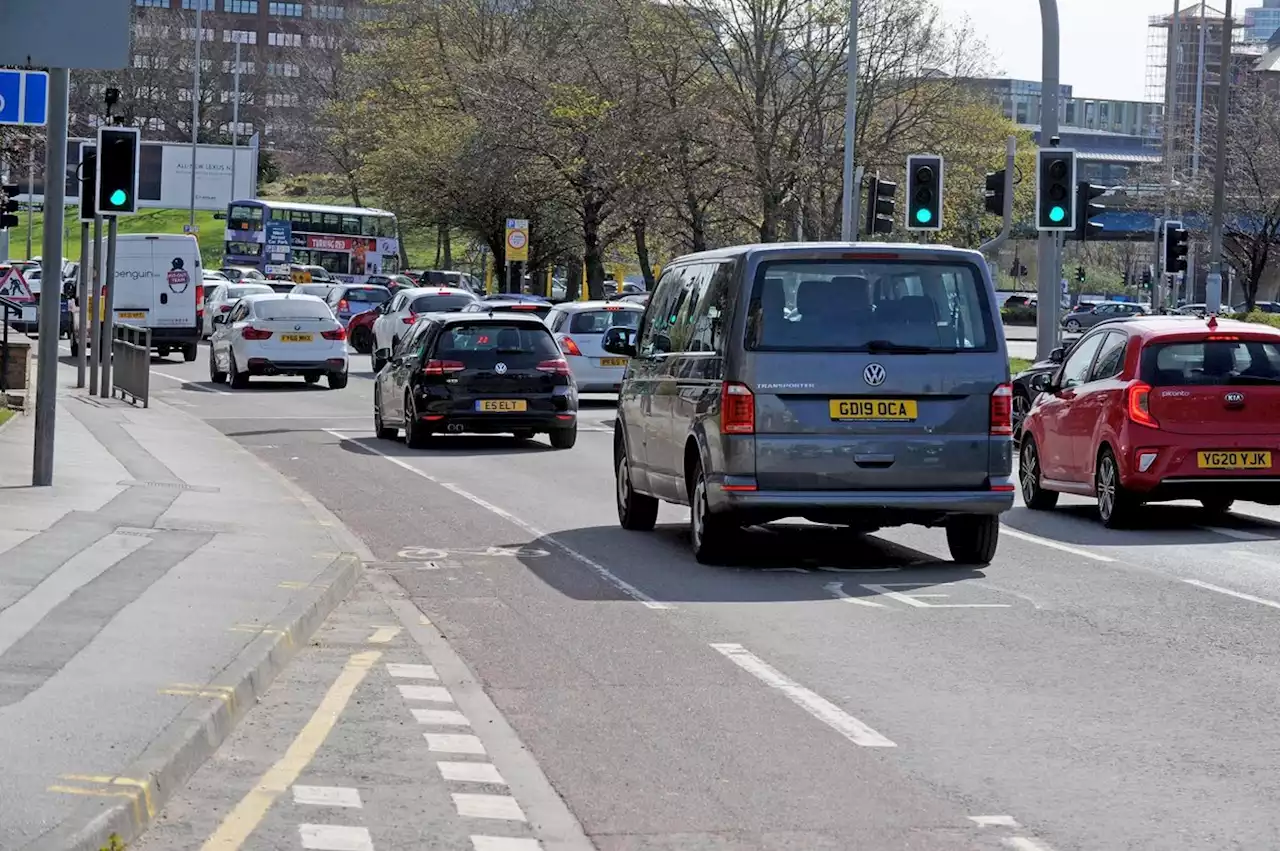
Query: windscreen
[241, 292]
[493, 338]
[599, 321]
[874, 305]
[1211, 362]
[367, 295]
[291, 308]
[440, 303]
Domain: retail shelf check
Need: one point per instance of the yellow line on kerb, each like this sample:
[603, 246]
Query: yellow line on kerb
[253, 807]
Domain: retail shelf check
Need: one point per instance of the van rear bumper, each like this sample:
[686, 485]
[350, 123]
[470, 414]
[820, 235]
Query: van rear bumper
[922, 501]
[175, 336]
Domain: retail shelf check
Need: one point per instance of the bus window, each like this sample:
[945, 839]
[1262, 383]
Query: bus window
[368, 225]
[386, 226]
[351, 225]
[301, 218]
[330, 223]
[337, 262]
[244, 217]
[245, 249]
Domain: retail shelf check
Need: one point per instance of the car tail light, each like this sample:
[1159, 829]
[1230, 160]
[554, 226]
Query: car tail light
[410, 319]
[559, 366]
[1002, 410]
[343, 306]
[226, 308]
[1140, 405]
[251, 333]
[334, 334]
[737, 409]
[443, 367]
[569, 347]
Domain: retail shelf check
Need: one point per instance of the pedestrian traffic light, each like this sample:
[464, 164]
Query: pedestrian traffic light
[1146, 277]
[1176, 244]
[9, 206]
[995, 192]
[924, 192]
[1056, 190]
[1087, 211]
[1080, 276]
[117, 171]
[880, 206]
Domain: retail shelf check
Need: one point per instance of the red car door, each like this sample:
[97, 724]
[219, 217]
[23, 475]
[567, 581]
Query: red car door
[1057, 451]
[1081, 422]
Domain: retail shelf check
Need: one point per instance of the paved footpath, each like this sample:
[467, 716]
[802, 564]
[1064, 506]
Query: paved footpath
[147, 600]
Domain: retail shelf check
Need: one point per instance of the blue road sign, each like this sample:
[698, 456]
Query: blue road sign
[24, 97]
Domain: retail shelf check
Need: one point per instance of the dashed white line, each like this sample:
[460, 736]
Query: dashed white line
[441, 717]
[470, 772]
[434, 694]
[817, 706]
[413, 672]
[192, 384]
[1262, 601]
[993, 821]
[455, 743]
[384, 634]
[836, 589]
[488, 806]
[1053, 545]
[609, 576]
[327, 796]
[332, 837]
[1022, 843]
[504, 843]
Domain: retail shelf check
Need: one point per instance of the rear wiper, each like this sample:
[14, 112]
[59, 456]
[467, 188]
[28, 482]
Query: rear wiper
[512, 351]
[1252, 379]
[874, 346]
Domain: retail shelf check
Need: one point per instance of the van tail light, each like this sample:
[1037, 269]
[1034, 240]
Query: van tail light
[199, 301]
[443, 367]
[737, 409]
[1140, 405]
[557, 366]
[251, 333]
[334, 334]
[410, 319]
[569, 347]
[343, 306]
[1002, 410]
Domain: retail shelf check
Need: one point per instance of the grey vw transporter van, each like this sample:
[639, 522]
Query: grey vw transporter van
[864, 385]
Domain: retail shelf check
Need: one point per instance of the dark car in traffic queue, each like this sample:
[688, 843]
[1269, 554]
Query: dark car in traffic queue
[538, 307]
[457, 373]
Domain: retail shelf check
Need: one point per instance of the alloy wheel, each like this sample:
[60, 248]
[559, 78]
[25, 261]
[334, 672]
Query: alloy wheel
[1106, 487]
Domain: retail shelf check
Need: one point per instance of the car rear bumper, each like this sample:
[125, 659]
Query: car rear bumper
[942, 502]
[268, 366]
[1175, 472]
[473, 423]
[592, 378]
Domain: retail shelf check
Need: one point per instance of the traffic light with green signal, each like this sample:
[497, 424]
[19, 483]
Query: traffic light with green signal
[1056, 190]
[1080, 276]
[117, 170]
[924, 192]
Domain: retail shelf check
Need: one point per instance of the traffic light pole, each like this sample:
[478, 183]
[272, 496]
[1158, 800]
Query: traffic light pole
[84, 283]
[1010, 156]
[1048, 289]
[95, 308]
[848, 225]
[55, 164]
[1213, 296]
[104, 390]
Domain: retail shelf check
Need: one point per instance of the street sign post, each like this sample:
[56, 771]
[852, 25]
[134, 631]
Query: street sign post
[517, 247]
[24, 97]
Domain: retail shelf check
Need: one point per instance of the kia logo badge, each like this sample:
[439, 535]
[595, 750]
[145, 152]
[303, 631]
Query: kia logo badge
[1234, 398]
[873, 374]
[500, 368]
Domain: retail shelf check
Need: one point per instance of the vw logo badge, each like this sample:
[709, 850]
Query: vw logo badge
[1234, 398]
[500, 368]
[873, 374]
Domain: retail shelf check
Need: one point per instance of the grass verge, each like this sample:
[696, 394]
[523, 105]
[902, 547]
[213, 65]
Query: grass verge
[1017, 365]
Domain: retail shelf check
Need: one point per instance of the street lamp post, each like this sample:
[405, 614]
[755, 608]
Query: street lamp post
[1213, 285]
[235, 120]
[1048, 288]
[848, 222]
[195, 107]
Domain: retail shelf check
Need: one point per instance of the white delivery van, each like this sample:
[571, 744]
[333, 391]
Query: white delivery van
[159, 284]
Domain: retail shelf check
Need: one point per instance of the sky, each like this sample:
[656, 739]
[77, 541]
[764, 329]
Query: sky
[1104, 42]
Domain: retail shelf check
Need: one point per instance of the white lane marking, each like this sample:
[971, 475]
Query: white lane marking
[1237, 594]
[1238, 534]
[470, 772]
[454, 743]
[504, 843]
[817, 706]
[1022, 843]
[384, 634]
[993, 821]
[332, 837]
[609, 576]
[440, 717]
[488, 806]
[435, 694]
[836, 589]
[917, 600]
[1053, 545]
[413, 672]
[194, 386]
[327, 796]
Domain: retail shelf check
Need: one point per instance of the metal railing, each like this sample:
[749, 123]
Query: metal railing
[6, 307]
[131, 357]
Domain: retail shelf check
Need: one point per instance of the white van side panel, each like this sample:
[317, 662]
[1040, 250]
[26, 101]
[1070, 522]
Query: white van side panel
[157, 274]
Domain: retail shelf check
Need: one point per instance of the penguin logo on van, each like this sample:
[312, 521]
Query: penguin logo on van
[179, 278]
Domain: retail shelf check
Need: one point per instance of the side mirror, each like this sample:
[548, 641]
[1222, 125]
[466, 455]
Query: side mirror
[383, 355]
[220, 319]
[1058, 354]
[1042, 382]
[619, 341]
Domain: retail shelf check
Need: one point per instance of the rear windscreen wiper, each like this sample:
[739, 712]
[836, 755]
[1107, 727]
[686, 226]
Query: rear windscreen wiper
[875, 346]
[513, 351]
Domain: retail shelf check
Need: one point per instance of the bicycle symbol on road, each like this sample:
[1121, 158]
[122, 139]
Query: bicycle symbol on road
[435, 554]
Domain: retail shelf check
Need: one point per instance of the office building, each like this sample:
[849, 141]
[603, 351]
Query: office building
[1261, 23]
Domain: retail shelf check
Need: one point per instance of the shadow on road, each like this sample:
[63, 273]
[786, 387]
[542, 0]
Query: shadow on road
[1153, 525]
[447, 445]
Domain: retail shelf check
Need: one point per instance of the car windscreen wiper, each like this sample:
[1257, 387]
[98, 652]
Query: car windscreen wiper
[881, 346]
[513, 351]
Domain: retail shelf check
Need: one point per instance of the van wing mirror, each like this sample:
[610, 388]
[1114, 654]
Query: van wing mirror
[619, 341]
[220, 319]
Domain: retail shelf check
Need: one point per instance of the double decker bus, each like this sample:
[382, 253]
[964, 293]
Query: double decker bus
[351, 243]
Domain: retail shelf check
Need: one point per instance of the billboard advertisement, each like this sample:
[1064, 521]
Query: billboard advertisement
[164, 175]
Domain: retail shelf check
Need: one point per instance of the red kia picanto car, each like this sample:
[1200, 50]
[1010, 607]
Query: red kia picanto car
[1157, 409]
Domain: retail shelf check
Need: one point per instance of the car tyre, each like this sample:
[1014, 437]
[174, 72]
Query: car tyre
[190, 353]
[637, 512]
[1116, 504]
[564, 438]
[239, 380]
[337, 380]
[415, 436]
[214, 375]
[973, 538]
[1073, 325]
[362, 340]
[1033, 493]
[1217, 507]
[379, 428]
[75, 346]
[162, 351]
[710, 534]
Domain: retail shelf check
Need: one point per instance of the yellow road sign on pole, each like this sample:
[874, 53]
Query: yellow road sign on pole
[517, 240]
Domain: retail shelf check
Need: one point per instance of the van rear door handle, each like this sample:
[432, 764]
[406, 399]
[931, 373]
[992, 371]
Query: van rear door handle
[873, 460]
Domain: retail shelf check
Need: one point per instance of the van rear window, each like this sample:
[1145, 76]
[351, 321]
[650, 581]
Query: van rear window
[1211, 362]
[859, 306]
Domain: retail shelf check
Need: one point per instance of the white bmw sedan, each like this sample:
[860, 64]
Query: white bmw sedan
[273, 334]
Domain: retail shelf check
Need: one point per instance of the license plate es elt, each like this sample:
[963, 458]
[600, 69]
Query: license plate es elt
[882, 410]
[297, 338]
[1234, 459]
[502, 406]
